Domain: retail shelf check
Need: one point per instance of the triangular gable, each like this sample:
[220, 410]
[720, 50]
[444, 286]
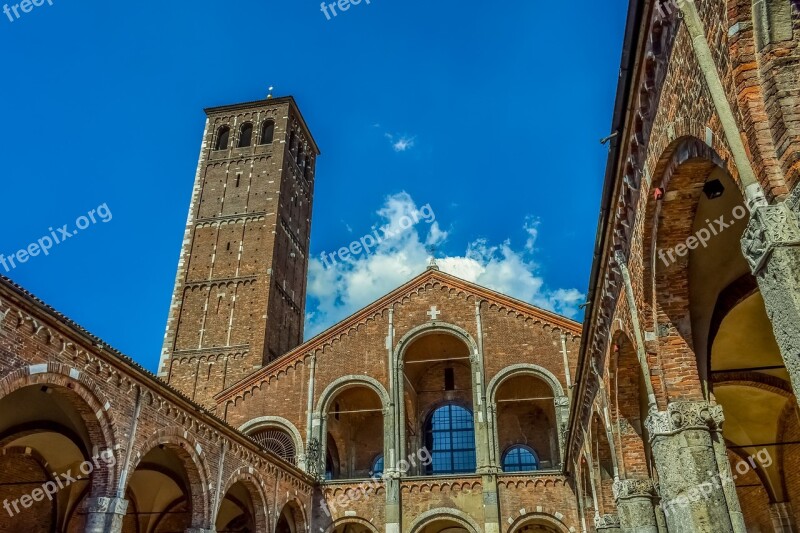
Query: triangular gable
[336, 331]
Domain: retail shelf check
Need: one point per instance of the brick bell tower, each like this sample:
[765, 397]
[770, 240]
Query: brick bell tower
[240, 291]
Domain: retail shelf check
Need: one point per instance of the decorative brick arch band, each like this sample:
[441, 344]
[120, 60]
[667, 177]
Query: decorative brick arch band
[443, 513]
[95, 413]
[190, 455]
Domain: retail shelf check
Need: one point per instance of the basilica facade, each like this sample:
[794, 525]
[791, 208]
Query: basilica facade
[443, 406]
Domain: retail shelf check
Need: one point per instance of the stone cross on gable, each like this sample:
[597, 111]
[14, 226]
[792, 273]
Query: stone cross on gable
[434, 313]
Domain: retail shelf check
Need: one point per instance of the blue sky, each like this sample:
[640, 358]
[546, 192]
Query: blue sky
[490, 114]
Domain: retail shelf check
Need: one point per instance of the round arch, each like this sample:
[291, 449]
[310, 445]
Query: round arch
[95, 414]
[431, 328]
[535, 519]
[442, 513]
[189, 456]
[346, 382]
[352, 521]
[526, 370]
[248, 480]
[295, 519]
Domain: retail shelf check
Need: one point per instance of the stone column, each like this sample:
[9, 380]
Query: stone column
[771, 244]
[104, 515]
[607, 523]
[201, 530]
[636, 505]
[692, 483]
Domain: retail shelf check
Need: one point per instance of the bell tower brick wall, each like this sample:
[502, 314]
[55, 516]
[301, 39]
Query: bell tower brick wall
[240, 290]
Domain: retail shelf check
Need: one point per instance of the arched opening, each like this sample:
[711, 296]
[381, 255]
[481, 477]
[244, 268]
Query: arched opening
[538, 523]
[442, 521]
[290, 520]
[714, 328]
[438, 406]
[245, 135]
[277, 441]
[526, 416]
[267, 132]
[237, 512]
[223, 138]
[355, 425]
[160, 489]
[46, 430]
[353, 525]
[629, 409]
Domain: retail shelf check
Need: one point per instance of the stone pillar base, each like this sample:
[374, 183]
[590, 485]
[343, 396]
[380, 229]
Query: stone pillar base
[636, 505]
[104, 515]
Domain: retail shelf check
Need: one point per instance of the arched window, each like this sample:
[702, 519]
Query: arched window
[223, 136]
[267, 132]
[377, 467]
[245, 135]
[277, 442]
[301, 156]
[520, 459]
[450, 437]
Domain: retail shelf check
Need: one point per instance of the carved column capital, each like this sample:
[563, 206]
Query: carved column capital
[683, 416]
[770, 227]
[606, 522]
[625, 489]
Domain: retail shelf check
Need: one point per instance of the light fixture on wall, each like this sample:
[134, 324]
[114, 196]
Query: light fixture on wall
[713, 189]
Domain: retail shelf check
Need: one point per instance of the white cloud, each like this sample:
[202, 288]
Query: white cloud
[401, 143]
[343, 287]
